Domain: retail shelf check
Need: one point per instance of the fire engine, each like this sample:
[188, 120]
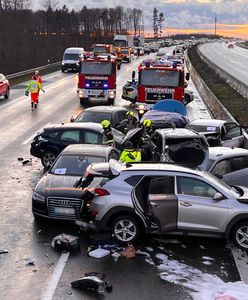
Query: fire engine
[97, 79]
[159, 82]
[98, 49]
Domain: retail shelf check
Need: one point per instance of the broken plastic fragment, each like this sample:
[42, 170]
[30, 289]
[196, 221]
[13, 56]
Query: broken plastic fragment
[30, 261]
[129, 252]
[65, 242]
[27, 161]
[3, 251]
[99, 253]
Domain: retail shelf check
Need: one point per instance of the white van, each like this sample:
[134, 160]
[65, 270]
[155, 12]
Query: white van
[71, 58]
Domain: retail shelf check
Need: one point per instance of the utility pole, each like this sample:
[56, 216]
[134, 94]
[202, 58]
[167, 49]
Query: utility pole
[215, 25]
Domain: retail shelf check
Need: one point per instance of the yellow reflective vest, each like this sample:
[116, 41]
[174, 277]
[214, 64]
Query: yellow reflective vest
[129, 155]
[34, 86]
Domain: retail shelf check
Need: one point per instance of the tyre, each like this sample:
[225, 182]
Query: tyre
[6, 96]
[125, 229]
[240, 235]
[48, 158]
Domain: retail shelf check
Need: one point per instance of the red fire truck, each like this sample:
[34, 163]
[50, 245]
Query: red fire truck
[97, 79]
[99, 49]
[159, 82]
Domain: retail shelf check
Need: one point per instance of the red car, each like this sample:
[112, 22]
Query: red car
[4, 86]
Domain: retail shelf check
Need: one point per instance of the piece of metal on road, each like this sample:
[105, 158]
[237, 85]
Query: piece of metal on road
[53, 282]
[241, 261]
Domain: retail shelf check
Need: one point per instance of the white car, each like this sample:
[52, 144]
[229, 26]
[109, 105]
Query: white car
[219, 132]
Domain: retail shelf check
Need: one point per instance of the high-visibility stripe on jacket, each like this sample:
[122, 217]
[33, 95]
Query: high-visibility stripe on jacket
[34, 87]
[129, 155]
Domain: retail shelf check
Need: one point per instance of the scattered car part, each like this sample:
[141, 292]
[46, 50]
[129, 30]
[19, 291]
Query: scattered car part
[65, 242]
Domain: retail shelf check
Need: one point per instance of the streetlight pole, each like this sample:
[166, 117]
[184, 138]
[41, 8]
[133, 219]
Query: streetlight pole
[215, 25]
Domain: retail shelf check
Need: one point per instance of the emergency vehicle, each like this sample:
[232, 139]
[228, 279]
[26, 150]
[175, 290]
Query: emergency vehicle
[97, 79]
[99, 49]
[159, 82]
[126, 54]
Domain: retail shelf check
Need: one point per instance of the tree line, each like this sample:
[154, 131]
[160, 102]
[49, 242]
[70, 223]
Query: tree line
[32, 38]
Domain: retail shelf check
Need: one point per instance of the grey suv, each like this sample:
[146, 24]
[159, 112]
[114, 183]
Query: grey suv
[167, 198]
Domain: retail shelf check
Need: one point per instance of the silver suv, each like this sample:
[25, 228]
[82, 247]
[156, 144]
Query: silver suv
[167, 198]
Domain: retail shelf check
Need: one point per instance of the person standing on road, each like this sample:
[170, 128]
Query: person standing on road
[33, 88]
[39, 79]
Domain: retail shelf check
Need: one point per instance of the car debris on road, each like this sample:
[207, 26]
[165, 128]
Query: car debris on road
[65, 242]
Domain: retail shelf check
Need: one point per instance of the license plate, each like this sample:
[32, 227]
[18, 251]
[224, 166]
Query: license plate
[96, 93]
[62, 210]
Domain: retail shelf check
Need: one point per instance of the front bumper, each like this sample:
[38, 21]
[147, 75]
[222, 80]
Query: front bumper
[96, 94]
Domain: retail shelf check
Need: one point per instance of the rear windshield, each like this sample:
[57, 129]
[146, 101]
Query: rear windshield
[95, 117]
[71, 56]
[203, 128]
[74, 165]
[166, 78]
[97, 68]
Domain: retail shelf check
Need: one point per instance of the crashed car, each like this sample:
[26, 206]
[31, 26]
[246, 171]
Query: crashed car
[54, 196]
[219, 132]
[129, 91]
[167, 199]
[162, 119]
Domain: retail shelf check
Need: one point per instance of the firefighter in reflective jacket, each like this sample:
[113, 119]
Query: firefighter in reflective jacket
[129, 123]
[33, 88]
[129, 154]
[107, 132]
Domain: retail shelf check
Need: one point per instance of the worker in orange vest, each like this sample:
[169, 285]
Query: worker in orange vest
[33, 88]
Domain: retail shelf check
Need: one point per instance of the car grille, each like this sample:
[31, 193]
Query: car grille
[155, 97]
[56, 204]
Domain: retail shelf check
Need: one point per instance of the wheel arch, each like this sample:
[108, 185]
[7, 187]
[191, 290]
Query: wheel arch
[120, 211]
[234, 222]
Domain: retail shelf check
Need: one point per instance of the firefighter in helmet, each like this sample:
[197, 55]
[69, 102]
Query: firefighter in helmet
[107, 132]
[130, 154]
[129, 123]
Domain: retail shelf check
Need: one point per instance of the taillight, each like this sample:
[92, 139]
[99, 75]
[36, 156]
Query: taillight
[101, 192]
[87, 172]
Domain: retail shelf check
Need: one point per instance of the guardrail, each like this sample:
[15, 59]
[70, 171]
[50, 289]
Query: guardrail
[236, 84]
[26, 75]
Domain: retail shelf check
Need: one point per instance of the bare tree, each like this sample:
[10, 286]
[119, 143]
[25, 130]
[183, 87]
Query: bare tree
[46, 4]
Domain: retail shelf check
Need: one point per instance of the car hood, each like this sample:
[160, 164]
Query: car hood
[191, 153]
[133, 136]
[58, 186]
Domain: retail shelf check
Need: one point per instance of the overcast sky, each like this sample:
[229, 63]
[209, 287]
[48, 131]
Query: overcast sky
[182, 15]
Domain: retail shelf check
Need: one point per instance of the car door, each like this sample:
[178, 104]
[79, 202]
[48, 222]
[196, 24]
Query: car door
[68, 137]
[238, 172]
[197, 210]
[91, 137]
[162, 202]
[233, 136]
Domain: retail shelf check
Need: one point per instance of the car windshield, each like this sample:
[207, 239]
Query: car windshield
[74, 165]
[166, 78]
[204, 128]
[124, 51]
[97, 68]
[96, 117]
[99, 49]
[71, 56]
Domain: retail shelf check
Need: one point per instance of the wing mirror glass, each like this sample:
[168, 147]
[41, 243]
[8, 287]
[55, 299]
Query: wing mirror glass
[218, 196]
[72, 119]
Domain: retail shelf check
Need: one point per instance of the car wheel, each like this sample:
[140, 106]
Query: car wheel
[6, 96]
[240, 235]
[48, 158]
[125, 229]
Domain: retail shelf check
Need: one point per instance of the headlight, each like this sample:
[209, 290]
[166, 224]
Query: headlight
[38, 197]
[111, 94]
[63, 63]
[81, 93]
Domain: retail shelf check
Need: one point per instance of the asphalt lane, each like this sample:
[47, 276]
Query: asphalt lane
[24, 238]
[233, 61]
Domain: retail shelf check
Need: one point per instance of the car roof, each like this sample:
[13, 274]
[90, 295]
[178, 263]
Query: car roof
[79, 125]
[160, 167]
[224, 152]
[208, 122]
[97, 150]
[178, 132]
[105, 109]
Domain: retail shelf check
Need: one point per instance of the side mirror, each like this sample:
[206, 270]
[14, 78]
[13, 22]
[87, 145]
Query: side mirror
[187, 76]
[72, 119]
[218, 196]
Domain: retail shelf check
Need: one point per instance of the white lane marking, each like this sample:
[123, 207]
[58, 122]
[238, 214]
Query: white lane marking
[30, 138]
[52, 285]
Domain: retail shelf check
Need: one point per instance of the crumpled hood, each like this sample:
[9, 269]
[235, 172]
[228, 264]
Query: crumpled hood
[58, 186]
[190, 152]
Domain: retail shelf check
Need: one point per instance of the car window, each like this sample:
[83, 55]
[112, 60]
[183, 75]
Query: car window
[221, 168]
[53, 134]
[91, 137]
[232, 130]
[91, 116]
[195, 187]
[238, 163]
[162, 185]
[71, 135]
[133, 180]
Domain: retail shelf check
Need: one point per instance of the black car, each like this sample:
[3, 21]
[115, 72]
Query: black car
[54, 196]
[97, 114]
[48, 143]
